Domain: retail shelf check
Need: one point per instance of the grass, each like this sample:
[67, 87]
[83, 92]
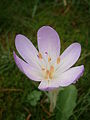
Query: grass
[26, 17]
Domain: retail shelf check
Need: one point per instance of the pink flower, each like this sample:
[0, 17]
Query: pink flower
[48, 66]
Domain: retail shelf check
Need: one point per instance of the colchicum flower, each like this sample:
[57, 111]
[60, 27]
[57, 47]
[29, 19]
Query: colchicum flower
[48, 66]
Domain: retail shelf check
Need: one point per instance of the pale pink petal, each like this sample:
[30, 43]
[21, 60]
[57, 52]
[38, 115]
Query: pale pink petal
[26, 49]
[64, 79]
[29, 71]
[47, 85]
[69, 57]
[48, 41]
[70, 76]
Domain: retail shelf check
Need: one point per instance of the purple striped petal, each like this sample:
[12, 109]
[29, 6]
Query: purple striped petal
[70, 76]
[30, 72]
[69, 57]
[26, 49]
[48, 41]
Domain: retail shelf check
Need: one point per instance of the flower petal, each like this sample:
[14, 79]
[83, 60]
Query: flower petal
[26, 49]
[64, 79]
[47, 85]
[70, 76]
[69, 57]
[48, 41]
[28, 70]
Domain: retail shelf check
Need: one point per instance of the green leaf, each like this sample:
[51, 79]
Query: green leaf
[66, 102]
[34, 97]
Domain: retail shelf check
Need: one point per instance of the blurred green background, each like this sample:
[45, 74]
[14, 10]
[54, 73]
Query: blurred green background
[20, 98]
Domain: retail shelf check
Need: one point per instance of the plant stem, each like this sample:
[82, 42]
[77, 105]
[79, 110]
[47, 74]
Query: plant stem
[65, 2]
[53, 98]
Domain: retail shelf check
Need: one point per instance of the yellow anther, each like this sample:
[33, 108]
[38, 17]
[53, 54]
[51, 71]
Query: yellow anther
[40, 55]
[51, 68]
[51, 72]
[58, 60]
[49, 59]
[47, 74]
[43, 69]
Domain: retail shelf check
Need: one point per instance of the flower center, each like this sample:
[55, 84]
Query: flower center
[49, 70]
[49, 73]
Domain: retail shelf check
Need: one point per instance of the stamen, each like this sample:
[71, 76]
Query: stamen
[58, 60]
[50, 75]
[51, 69]
[47, 74]
[51, 72]
[40, 55]
[43, 69]
[49, 59]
